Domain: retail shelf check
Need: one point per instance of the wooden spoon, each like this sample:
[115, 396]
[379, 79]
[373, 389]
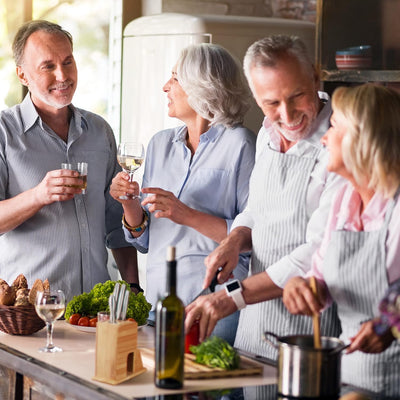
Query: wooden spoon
[316, 327]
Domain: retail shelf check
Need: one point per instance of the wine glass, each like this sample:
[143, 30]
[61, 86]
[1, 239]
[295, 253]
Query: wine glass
[130, 157]
[50, 306]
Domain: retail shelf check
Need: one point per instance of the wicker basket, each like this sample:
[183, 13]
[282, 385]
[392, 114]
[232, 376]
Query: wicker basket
[20, 320]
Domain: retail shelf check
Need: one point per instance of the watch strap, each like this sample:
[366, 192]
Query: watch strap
[237, 296]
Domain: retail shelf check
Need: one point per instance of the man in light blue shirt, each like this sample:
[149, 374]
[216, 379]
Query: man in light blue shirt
[48, 228]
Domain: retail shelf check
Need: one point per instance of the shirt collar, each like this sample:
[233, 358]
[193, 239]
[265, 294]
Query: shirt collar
[30, 116]
[210, 135]
[371, 218]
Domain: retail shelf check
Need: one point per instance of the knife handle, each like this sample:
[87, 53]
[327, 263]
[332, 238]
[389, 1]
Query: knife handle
[214, 282]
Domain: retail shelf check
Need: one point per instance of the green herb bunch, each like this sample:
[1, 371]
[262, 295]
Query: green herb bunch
[216, 352]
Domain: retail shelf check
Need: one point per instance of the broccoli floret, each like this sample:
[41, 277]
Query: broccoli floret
[138, 308]
[97, 300]
[79, 304]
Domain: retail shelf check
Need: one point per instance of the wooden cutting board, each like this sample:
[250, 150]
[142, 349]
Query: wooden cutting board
[194, 370]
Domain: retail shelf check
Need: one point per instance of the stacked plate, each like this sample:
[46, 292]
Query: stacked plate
[357, 57]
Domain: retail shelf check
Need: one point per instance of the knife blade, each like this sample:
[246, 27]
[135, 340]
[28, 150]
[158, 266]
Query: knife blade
[120, 301]
[125, 305]
[211, 288]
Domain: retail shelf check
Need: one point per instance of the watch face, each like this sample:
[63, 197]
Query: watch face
[233, 286]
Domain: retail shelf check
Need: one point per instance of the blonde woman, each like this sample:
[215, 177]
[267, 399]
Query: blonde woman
[359, 256]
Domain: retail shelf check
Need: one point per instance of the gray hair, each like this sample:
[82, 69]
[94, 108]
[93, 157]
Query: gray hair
[26, 30]
[214, 83]
[267, 52]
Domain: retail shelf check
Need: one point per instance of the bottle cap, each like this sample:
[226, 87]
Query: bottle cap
[171, 253]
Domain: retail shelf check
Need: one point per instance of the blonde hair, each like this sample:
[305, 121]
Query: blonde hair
[215, 84]
[371, 146]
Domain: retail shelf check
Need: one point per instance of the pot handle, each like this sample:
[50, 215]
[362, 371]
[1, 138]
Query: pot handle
[266, 334]
[339, 349]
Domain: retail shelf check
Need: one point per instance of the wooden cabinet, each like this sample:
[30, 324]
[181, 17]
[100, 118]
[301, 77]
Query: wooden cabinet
[346, 23]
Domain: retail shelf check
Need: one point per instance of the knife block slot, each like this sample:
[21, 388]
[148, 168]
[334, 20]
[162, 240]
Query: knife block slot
[117, 356]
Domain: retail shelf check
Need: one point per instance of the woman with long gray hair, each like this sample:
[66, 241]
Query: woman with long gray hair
[196, 175]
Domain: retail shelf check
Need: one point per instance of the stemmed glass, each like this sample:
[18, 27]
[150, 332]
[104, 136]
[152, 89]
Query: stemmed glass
[130, 157]
[50, 306]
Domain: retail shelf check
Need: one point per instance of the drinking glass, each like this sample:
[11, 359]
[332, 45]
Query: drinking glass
[50, 306]
[82, 168]
[130, 157]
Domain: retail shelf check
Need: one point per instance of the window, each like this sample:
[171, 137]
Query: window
[89, 23]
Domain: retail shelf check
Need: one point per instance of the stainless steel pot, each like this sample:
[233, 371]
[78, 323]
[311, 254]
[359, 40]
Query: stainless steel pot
[304, 371]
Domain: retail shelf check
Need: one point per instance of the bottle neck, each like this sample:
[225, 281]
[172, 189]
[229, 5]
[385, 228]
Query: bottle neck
[171, 277]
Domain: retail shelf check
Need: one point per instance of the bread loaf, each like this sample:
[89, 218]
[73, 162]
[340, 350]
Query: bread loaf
[20, 282]
[7, 294]
[36, 287]
[22, 297]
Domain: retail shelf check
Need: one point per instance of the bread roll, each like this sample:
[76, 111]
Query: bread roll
[37, 287]
[7, 294]
[20, 282]
[46, 284]
[22, 297]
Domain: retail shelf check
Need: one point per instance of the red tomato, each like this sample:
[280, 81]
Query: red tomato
[192, 338]
[74, 318]
[93, 322]
[130, 319]
[83, 321]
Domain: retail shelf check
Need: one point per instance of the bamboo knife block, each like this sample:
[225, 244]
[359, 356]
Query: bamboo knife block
[117, 356]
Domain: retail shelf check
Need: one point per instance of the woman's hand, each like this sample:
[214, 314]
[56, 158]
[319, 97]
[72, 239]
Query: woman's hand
[299, 298]
[164, 204]
[121, 186]
[367, 341]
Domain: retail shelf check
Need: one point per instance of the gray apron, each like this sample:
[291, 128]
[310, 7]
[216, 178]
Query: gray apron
[280, 223]
[354, 269]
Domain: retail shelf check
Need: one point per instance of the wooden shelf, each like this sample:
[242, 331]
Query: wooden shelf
[343, 23]
[360, 75]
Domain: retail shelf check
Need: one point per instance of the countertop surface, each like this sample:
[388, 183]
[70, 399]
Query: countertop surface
[78, 361]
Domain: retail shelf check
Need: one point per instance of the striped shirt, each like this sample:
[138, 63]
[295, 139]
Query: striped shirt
[64, 241]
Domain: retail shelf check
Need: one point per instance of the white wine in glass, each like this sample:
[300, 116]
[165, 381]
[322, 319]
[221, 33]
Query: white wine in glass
[130, 157]
[50, 306]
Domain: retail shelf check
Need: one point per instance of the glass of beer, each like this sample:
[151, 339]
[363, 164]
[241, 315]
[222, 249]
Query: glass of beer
[82, 169]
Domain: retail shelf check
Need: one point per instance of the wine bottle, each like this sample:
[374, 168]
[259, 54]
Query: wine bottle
[170, 338]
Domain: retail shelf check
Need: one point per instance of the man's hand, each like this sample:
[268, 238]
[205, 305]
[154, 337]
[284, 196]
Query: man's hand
[208, 310]
[57, 185]
[226, 255]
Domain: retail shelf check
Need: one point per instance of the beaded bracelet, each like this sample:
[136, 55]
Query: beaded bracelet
[139, 228]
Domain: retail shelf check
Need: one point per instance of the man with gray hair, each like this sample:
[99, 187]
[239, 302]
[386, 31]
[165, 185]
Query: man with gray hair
[289, 199]
[48, 228]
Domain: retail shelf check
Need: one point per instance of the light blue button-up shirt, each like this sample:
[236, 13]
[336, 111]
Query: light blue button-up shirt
[214, 181]
[64, 241]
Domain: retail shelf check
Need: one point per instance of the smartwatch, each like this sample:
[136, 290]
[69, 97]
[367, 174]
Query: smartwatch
[234, 290]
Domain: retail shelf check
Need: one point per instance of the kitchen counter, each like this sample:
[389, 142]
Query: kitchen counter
[70, 372]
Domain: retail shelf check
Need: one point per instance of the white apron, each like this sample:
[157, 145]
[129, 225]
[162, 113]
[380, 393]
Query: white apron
[355, 271]
[280, 223]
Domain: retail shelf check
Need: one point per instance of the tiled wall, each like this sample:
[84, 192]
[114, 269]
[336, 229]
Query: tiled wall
[294, 9]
